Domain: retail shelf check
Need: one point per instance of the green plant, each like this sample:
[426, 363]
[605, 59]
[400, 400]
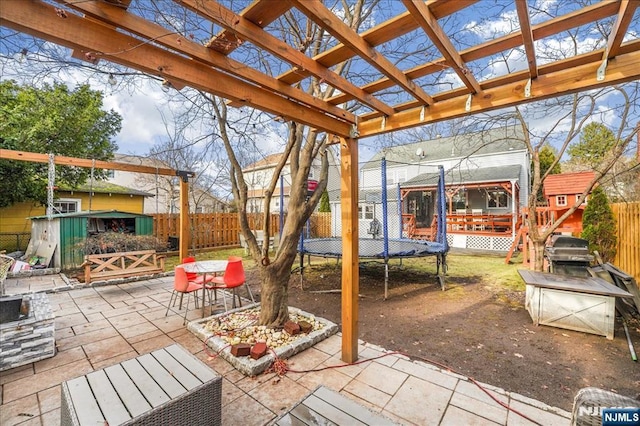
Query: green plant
[599, 225]
[324, 203]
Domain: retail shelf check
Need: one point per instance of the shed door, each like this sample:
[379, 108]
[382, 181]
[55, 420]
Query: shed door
[73, 233]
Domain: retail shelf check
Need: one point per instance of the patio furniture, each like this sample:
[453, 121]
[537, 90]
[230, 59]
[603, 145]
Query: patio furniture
[206, 267]
[233, 278]
[589, 403]
[6, 262]
[169, 386]
[193, 276]
[182, 285]
[327, 407]
[477, 222]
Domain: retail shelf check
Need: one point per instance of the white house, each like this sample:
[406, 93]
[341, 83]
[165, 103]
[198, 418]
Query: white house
[487, 177]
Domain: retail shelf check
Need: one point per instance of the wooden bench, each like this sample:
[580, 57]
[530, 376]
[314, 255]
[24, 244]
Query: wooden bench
[169, 386]
[125, 264]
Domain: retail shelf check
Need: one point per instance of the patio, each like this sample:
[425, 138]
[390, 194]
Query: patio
[100, 326]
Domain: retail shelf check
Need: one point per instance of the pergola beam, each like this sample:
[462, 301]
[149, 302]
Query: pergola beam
[316, 11]
[256, 35]
[619, 29]
[75, 32]
[622, 69]
[430, 26]
[527, 36]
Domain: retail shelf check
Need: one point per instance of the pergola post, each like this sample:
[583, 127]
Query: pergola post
[184, 214]
[350, 235]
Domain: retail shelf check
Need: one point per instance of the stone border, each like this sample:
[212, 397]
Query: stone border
[248, 365]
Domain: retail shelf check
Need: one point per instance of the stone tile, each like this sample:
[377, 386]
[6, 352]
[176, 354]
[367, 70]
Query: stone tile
[97, 316]
[169, 324]
[86, 338]
[364, 403]
[308, 359]
[20, 410]
[16, 373]
[118, 304]
[217, 364]
[113, 294]
[145, 336]
[115, 360]
[381, 357]
[382, 378]
[49, 399]
[51, 418]
[81, 293]
[125, 309]
[455, 416]
[152, 304]
[90, 326]
[494, 411]
[279, 395]
[349, 370]
[149, 345]
[332, 379]
[156, 313]
[230, 392]
[126, 319]
[107, 348]
[102, 308]
[367, 393]
[190, 342]
[64, 333]
[332, 345]
[61, 358]
[249, 383]
[63, 312]
[426, 372]
[536, 414]
[70, 320]
[246, 411]
[138, 300]
[142, 327]
[470, 389]
[419, 402]
[41, 381]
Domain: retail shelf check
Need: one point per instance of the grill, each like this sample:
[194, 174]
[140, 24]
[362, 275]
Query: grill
[567, 255]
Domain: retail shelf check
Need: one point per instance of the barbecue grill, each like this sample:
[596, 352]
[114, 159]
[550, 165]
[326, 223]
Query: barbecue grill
[567, 255]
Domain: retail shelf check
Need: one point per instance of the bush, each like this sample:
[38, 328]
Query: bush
[117, 242]
[599, 226]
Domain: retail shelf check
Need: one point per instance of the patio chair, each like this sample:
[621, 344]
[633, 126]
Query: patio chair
[6, 263]
[233, 278]
[478, 224]
[182, 285]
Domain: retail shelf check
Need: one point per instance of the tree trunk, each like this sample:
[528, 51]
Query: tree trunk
[538, 255]
[274, 291]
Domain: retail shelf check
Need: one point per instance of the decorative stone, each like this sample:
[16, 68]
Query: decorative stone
[241, 349]
[305, 327]
[259, 350]
[292, 328]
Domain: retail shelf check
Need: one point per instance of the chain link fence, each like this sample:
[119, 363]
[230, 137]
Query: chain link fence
[11, 242]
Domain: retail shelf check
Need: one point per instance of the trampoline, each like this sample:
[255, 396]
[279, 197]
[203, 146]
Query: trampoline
[390, 248]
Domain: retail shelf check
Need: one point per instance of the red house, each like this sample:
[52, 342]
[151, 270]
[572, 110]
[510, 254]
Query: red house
[561, 192]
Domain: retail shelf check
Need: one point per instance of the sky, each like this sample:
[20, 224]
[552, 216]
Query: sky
[144, 106]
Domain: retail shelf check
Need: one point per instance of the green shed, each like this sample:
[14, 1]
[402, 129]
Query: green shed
[58, 238]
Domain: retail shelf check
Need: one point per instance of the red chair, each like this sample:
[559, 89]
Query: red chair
[194, 277]
[182, 285]
[233, 278]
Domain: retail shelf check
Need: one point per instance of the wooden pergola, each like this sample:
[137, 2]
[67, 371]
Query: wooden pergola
[113, 30]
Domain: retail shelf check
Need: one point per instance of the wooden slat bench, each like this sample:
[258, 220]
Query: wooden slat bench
[125, 264]
[166, 387]
[327, 407]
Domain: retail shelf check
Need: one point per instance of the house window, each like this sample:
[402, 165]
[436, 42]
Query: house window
[561, 200]
[65, 205]
[396, 176]
[497, 200]
[365, 211]
[111, 174]
[585, 200]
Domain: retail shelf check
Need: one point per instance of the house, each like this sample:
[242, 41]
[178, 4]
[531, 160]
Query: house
[100, 195]
[166, 189]
[562, 192]
[258, 175]
[487, 178]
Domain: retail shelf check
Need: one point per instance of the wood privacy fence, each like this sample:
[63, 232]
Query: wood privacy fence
[628, 219]
[210, 230]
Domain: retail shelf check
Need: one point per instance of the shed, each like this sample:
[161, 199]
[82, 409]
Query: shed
[58, 238]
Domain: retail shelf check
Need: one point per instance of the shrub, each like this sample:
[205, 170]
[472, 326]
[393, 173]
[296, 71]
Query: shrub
[599, 225]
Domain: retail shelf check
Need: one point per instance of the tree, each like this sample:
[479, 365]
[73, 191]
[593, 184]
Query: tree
[595, 145]
[548, 163]
[599, 225]
[56, 120]
[324, 203]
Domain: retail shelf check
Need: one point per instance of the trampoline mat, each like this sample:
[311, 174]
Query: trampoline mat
[373, 248]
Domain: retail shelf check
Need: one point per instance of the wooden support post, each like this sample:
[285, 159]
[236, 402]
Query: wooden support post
[350, 234]
[184, 217]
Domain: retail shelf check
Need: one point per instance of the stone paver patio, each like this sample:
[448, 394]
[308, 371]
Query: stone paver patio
[100, 326]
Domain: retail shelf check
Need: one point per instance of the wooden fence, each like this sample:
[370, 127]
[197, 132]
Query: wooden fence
[628, 219]
[210, 230]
